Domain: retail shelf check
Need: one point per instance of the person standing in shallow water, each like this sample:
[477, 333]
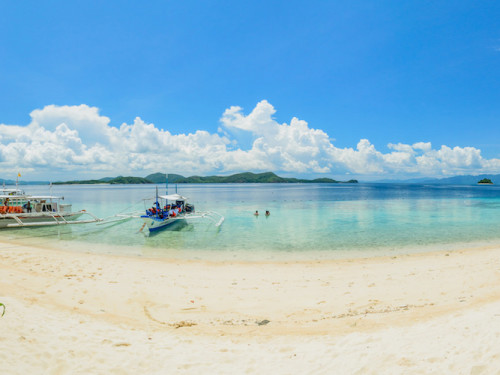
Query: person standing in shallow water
[268, 213]
[256, 213]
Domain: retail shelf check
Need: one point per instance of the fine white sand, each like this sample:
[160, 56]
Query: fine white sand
[77, 313]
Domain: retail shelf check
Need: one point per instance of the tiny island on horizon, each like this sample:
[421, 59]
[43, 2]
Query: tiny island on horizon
[485, 181]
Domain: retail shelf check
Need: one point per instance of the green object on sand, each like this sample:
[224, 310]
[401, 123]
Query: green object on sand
[3, 312]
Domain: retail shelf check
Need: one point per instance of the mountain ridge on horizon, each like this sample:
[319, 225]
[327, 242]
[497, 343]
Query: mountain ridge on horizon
[159, 177]
[245, 177]
[453, 180]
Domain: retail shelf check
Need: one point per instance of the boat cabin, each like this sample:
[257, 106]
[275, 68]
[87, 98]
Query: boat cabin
[15, 203]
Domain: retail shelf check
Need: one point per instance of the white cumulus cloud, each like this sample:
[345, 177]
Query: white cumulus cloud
[76, 141]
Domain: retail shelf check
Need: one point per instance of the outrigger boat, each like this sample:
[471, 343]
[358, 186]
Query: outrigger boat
[170, 209]
[18, 209]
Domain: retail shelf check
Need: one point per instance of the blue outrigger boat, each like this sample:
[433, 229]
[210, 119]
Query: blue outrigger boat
[173, 208]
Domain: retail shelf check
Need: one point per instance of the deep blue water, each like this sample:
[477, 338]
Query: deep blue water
[313, 220]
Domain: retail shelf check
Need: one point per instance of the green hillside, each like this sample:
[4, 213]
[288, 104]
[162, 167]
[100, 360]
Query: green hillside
[159, 178]
[239, 178]
[129, 180]
[107, 180]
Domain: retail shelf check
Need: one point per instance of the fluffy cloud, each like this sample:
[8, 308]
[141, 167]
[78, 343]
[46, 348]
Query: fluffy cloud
[72, 141]
[290, 148]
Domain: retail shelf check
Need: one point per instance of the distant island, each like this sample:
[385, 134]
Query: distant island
[13, 182]
[107, 180]
[485, 181]
[240, 178]
[455, 180]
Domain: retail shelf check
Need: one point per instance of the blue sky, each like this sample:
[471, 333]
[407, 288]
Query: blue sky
[389, 72]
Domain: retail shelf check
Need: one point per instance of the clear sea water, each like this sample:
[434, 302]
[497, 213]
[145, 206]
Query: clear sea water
[307, 221]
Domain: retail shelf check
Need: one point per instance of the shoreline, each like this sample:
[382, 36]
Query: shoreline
[141, 305]
[241, 255]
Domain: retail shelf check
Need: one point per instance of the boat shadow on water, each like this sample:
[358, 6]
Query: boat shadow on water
[177, 226]
[22, 233]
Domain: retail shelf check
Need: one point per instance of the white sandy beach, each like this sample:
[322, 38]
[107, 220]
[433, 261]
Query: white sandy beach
[78, 313]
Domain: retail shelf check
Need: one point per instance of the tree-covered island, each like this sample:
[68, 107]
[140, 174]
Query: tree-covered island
[485, 181]
[240, 178]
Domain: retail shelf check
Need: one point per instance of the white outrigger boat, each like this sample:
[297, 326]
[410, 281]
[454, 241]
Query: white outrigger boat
[170, 209]
[18, 209]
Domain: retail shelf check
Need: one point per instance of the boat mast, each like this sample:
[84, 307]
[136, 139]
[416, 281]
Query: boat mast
[50, 192]
[157, 203]
[166, 183]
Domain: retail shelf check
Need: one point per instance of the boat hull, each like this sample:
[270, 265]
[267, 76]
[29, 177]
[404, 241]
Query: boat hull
[155, 224]
[41, 219]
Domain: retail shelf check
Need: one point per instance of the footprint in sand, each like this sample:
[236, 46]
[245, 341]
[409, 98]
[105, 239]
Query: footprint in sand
[121, 344]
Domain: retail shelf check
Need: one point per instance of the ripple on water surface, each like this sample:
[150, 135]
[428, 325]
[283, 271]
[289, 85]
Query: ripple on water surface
[307, 221]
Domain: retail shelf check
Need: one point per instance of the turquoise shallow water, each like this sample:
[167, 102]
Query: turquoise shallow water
[306, 221]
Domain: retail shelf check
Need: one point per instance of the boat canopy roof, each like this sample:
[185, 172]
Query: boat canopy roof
[43, 197]
[3, 196]
[12, 191]
[173, 197]
[33, 197]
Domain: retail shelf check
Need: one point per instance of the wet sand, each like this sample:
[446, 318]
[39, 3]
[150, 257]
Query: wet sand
[82, 313]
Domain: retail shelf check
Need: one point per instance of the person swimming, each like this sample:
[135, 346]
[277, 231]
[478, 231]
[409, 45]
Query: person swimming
[256, 213]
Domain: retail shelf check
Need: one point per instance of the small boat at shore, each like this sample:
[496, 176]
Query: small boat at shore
[18, 209]
[170, 209]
